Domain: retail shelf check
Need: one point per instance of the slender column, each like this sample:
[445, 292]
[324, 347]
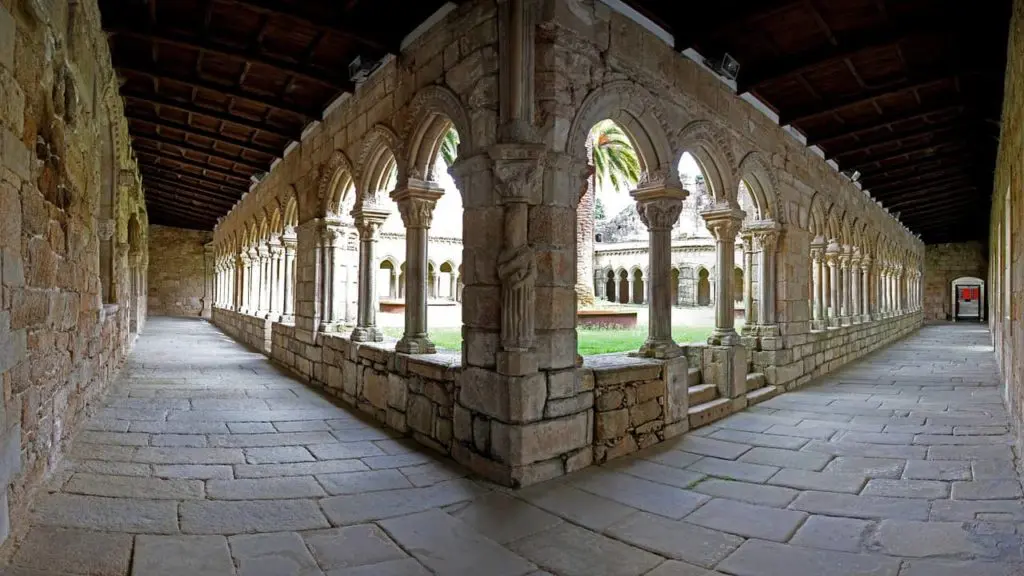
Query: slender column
[368, 222]
[631, 293]
[724, 222]
[416, 201]
[844, 279]
[659, 207]
[330, 296]
[288, 293]
[817, 263]
[276, 279]
[855, 300]
[252, 292]
[832, 261]
[748, 281]
[865, 273]
[766, 237]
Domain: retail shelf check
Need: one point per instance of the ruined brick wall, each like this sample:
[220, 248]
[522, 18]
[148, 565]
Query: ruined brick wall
[72, 236]
[1006, 240]
[176, 271]
[944, 263]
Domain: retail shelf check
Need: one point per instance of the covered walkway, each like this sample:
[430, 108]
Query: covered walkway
[206, 460]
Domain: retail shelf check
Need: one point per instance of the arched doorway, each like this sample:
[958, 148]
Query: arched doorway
[447, 281]
[387, 279]
[675, 287]
[968, 299]
[610, 286]
[623, 287]
[703, 288]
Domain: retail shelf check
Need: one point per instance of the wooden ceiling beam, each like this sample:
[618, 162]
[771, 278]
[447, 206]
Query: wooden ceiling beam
[196, 210]
[215, 201]
[190, 179]
[950, 211]
[225, 89]
[180, 210]
[849, 45]
[175, 220]
[896, 186]
[252, 56]
[896, 137]
[148, 181]
[704, 18]
[190, 108]
[884, 121]
[195, 131]
[334, 23]
[914, 81]
[925, 192]
[894, 155]
[157, 140]
[937, 194]
[183, 161]
[915, 166]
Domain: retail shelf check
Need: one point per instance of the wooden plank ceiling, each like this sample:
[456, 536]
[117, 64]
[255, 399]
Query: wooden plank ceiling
[907, 92]
[215, 90]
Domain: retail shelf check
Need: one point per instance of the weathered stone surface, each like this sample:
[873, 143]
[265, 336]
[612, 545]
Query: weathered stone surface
[112, 514]
[758, 558]
[74, 551]
[250, 516]
[174, 555]
[505, 519]
[264, 488]
[642, 494]
[747, 519]
[829, 533]
[353, 546]
[675, 539]
[281, 554]
[573, 551]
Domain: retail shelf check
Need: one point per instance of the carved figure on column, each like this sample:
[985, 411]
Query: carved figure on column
[517, 171]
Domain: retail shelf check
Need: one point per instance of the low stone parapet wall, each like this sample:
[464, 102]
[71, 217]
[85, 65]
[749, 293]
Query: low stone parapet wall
[247, 329]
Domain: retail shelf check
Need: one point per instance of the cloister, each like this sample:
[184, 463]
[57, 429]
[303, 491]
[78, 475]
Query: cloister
[207, 208]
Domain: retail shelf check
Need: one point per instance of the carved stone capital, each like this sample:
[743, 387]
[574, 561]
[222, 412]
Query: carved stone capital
[368, 221]
[106, 229]
[659, 205]
[723, 221]
[517, 172]
[416, 201]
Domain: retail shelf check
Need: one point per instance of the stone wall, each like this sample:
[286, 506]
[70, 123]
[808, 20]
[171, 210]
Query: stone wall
[177, 271]
[1006, 240]
[72, 237]
[944, 263]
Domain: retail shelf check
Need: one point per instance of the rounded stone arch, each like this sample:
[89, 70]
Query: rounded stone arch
[337, 184]
[275, 219]
[381, 150]
[432, 111]
[762, 183]
[290, 218]
[636, 111]
[833, 224]
[817, 223]
[710, 147]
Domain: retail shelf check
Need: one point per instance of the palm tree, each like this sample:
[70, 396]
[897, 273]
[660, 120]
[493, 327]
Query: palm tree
[450, 146]
[615, 164]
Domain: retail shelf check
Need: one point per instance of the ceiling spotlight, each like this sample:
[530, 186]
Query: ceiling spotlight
[726, 66]
[853, 175]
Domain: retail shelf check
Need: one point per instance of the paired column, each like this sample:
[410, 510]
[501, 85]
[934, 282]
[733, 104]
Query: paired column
[832, 261]
[368, 222]
[416, 201]
[276, 282]
[766, 238]
[748, 280]
[844, 280]
[288, 242]
[659, 207]
[724, 222]
[865, 274]
[818, 287]
[855, 306]
[331, 243]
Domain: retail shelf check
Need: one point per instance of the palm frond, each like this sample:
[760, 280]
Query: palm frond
[615, 160]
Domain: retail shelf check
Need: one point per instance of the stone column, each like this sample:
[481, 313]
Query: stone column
[331, 304]
[724, 222]
[865, 274]
[748, 281]
[844, 287]
[766, 237]
[659, 206]
[251, 292]
[832, 261]
[288, 292]
[817, 263]
[368, 221]
[855, 304]
[276, 279]
[631, 293]
[416, 201]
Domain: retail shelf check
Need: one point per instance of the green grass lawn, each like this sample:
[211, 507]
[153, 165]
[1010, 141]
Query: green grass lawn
[591, 340]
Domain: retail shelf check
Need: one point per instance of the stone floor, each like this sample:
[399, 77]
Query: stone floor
[207, 461]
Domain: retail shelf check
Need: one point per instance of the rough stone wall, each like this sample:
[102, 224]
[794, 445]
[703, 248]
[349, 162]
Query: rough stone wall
[944, 263]
[69, 199]
[1006, 240]
[177, 271]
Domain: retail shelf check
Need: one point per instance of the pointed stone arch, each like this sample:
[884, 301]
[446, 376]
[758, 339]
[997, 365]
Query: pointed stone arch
[432, 111]
[381, 147]
[710, 147]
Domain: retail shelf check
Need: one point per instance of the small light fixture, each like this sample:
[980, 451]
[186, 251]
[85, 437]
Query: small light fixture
[726, 66]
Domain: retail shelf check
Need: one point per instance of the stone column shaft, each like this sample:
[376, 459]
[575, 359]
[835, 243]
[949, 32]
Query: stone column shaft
[288, 293]
[831, 259]
[817, 263]
[724, 223]
[368, 222]
[766, 242]
[659, 207]
[865, 274]
[416, 201]
[748, 281]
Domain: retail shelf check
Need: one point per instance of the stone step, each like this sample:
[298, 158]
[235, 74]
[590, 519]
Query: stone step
[702, 393]
[755, 380]
[762, 394]
[693, 377]
[708, 412]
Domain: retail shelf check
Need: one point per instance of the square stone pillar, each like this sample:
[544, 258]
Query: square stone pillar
[659, 206]
[724, 222]
[765, 235]
[368, 221]
[832, 260]
[416, 201]
[748, 281]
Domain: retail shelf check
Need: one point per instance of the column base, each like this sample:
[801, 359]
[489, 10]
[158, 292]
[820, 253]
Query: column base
[419, 344]
[287, 319]
[661, 349]
[331, 327]
[367, 334]
[727, 337]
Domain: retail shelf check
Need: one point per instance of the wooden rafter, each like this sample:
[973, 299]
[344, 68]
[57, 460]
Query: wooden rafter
[897, 137]
[157, 140]
[295, 12]
[202, 132]
[183, 161]
[191, 179]
[190, 108]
